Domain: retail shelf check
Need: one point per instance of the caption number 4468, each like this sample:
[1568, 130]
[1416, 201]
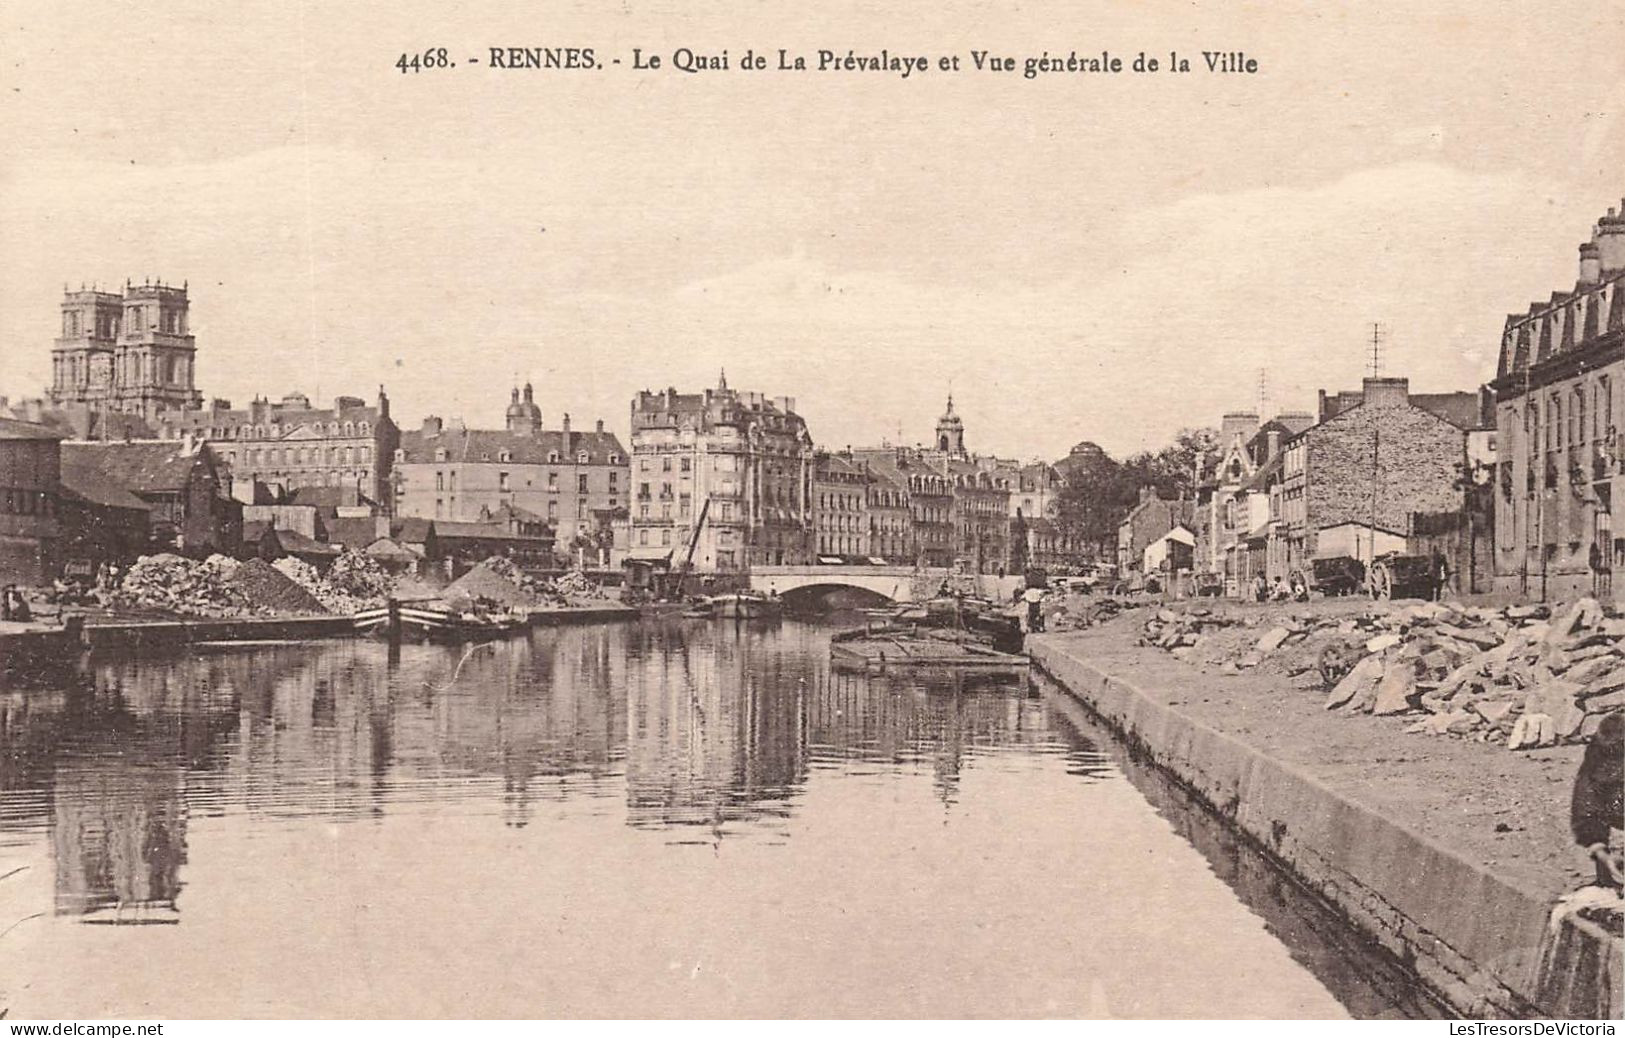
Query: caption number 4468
[434, 57]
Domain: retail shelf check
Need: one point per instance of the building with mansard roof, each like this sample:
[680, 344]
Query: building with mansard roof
[1560, 424]
[727, 471]
[291, 444]
[573, 480]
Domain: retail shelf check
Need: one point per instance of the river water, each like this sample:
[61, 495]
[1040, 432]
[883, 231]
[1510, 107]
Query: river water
[666, 818]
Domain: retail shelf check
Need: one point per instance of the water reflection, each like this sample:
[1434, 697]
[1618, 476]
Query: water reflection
[180, 790]
[706, 727]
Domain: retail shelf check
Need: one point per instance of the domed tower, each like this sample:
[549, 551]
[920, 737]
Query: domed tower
[524, 417]
[951, 432]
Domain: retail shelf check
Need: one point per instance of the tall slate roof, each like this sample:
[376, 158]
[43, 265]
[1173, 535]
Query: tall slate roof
[489, 445]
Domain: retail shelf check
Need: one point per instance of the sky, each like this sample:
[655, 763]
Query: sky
[1073, 257]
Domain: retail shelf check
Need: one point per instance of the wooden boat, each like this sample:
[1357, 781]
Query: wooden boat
[886, 648]
[744, 605]
[419, 621]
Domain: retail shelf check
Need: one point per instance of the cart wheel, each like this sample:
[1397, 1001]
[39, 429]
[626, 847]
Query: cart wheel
[1300, 585]
[1380, 582]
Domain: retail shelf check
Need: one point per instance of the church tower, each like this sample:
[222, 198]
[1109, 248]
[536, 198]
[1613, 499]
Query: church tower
[524, 417]
[951, 432]
[154, 364]
[82, 359]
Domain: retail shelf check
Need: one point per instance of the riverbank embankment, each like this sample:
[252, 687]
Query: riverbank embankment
[35, 644]
[1451, 854]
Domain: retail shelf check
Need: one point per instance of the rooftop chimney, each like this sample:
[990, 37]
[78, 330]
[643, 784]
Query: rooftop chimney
[1387, 392]
[1237, 423]
[1590, 263]
[432, 426]
[598, 426]
[1610, 240]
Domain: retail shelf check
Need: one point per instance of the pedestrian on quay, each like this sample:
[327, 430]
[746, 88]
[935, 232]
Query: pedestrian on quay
[1034, 597]
[1596, 804]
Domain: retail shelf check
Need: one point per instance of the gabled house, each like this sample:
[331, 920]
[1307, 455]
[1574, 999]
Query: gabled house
[189, 509]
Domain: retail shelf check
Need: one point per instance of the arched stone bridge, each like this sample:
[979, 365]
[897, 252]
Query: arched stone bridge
[897, 583]
[894, 583]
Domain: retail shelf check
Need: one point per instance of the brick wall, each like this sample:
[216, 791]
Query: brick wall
[1416, 466]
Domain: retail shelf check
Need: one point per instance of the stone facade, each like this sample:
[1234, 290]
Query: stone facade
[1559, 419]
[840, 506]
[574, 481]
[133, 353]
[1373, 465]
[292, 444]
[742, 459]
[911, 506]
[1147, 522]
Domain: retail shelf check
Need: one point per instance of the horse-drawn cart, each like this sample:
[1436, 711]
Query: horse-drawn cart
[1397, 575]
[1339, 575]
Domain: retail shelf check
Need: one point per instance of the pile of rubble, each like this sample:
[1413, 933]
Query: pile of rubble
[360, 576]
[266, 588]
[335, 598]
[496, 580]
[186, 587]
[575, 585]
[1524, 675]
[1074, 612]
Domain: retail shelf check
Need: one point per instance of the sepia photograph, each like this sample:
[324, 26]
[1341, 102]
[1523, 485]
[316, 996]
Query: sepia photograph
[776, 512]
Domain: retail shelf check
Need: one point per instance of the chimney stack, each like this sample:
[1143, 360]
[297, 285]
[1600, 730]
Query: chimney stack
[1387, 392]
[432, 426]
[599, 426]
[1610, 240]
[1237, 423]
[1590, 263]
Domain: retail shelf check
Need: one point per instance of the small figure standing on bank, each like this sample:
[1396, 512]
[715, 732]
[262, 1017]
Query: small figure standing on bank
[1597, 804]
[1034, 597]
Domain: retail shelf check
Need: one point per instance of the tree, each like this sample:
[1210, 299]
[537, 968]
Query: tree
[1099, 491]
[1088, 507]
[1173, 469]
[1018, 544]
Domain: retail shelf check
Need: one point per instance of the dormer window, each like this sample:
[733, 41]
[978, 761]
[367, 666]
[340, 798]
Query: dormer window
[581, 458]
[363, 428]
[440, 454]
[504, 456]
[553, 457]
[614, 459]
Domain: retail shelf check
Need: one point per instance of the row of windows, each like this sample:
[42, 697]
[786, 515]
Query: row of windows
[332, 478]
[583, 510]
[724, 537]
[1561, 418]
[27, 501]
[448, 481]
[316, 456]
[841, 502]
[275, 429]
[505, 457]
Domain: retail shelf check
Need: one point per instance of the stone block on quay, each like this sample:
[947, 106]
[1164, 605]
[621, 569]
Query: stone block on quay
[1357, 683]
